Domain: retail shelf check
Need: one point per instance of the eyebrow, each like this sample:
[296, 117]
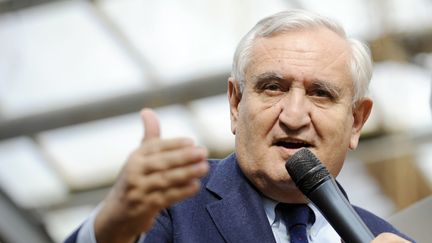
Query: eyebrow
[267, 76]
[334, 90]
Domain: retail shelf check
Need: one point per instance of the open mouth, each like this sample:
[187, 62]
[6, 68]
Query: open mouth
[293, 144]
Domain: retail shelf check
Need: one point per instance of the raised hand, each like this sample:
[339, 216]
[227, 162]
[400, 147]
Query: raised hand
[157, 174]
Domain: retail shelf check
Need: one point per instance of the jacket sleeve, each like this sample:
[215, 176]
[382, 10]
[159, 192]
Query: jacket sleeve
[378, 225]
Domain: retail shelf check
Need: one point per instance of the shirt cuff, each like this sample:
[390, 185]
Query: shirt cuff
[86, 233]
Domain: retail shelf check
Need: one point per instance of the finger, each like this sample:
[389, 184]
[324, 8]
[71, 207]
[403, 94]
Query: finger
[150, 123]
[163, 199]
[175, 177]
[172, 159]
[174, 195]
[160, 145]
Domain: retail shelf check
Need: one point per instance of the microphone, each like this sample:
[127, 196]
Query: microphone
[316, 183]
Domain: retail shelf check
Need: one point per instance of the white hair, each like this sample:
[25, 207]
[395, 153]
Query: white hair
[286, 21]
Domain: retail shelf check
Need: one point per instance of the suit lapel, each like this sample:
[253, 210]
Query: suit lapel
[239, 214]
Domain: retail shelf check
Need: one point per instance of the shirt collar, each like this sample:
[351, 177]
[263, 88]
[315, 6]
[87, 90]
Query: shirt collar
[269, 208]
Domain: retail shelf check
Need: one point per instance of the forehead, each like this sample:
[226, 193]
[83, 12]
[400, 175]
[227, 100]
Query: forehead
[304, 55]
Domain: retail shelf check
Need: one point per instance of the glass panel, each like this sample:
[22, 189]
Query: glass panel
[27, 177]
[212, 115]
[181, 39]
[60, 54]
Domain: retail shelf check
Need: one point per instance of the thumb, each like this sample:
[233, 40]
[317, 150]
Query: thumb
[150, 123]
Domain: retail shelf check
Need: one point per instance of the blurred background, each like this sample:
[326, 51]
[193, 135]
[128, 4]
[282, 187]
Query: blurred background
[75, 73]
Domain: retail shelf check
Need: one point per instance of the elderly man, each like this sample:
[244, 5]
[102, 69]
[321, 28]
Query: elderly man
[297, 81]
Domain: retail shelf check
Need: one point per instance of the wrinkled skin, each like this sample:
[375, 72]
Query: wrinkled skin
[298, 93]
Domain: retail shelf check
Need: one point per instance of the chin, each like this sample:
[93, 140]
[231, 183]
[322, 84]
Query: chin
[288, 195]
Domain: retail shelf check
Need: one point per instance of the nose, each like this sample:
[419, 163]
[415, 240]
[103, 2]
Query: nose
[295, 110]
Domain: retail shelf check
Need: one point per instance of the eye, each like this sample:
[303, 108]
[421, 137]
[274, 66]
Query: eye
[272, 87]
[321, 93]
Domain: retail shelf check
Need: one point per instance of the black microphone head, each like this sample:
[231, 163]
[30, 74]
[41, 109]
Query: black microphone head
[306, 170]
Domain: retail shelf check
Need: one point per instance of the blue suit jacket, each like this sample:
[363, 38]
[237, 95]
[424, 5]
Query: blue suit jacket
[227, 209]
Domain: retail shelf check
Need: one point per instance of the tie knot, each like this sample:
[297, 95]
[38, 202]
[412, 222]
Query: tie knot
[295, 214]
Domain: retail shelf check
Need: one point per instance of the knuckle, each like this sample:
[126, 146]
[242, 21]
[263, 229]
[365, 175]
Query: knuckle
[161, 181]
[178, 176]
[134, 162]
[151, 146]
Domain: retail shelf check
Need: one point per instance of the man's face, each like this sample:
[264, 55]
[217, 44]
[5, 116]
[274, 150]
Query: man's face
[298, 93]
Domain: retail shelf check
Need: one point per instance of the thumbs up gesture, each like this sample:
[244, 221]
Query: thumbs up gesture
[157, 174]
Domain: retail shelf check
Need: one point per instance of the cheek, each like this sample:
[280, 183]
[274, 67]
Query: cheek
[333, 127]
[257, 118]
[256, 121]
[335, 133]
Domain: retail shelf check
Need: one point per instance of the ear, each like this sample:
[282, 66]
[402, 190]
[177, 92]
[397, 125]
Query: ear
[361, 112]
[234, 97]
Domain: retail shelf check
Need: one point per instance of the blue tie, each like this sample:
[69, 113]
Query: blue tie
[296, 218]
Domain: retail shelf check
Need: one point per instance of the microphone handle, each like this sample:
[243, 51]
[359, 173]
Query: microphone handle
[339, 213]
